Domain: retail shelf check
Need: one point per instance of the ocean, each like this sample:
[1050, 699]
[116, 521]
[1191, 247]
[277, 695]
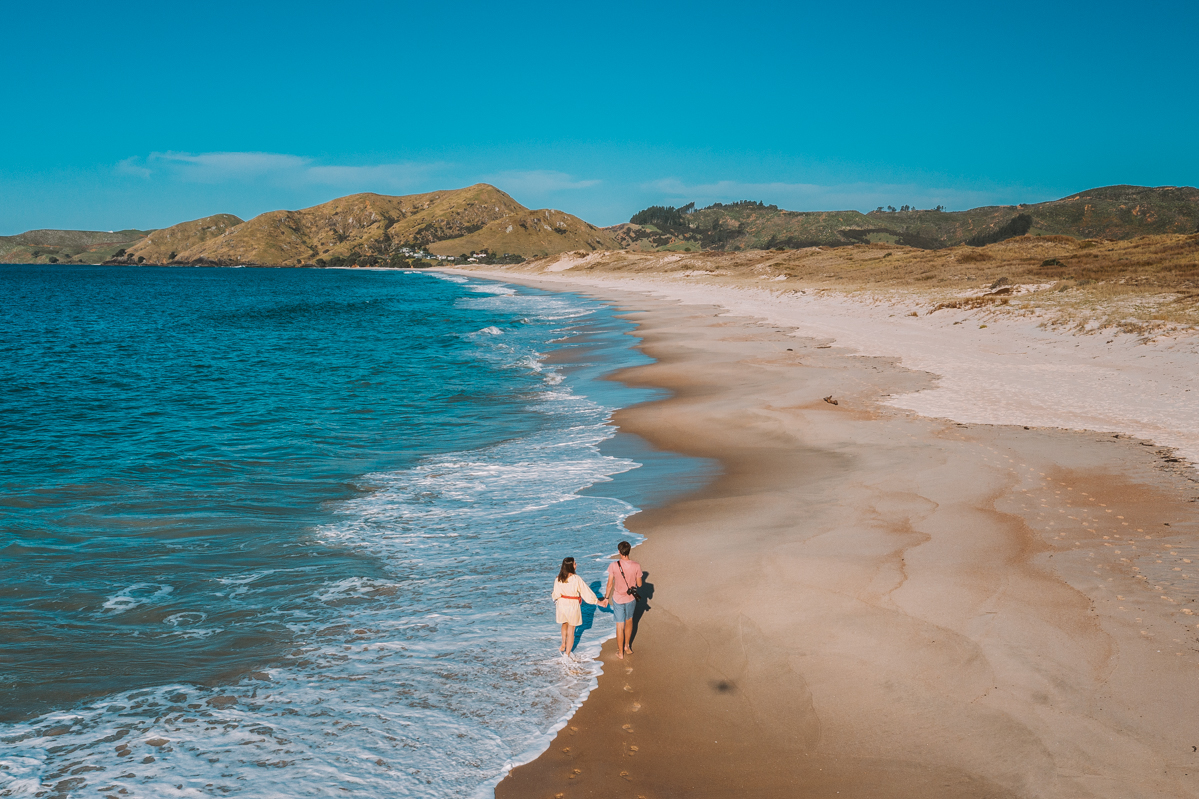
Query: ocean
[284, 533]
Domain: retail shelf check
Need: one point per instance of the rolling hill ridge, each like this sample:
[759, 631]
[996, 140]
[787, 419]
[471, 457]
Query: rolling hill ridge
[65, 246]
[369, 229]
[374, 228]
[1112, 212]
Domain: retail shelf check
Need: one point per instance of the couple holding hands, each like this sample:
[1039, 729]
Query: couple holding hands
[624, 578]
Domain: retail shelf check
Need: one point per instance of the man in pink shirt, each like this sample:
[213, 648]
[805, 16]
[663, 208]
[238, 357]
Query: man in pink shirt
[624, 575]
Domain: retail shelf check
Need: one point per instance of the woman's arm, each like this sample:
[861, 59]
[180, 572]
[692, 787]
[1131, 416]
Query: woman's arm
[585, 592]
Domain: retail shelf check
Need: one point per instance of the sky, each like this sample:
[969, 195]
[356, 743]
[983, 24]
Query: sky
[141, 115]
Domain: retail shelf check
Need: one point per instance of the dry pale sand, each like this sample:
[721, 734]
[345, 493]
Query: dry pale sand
[874, 603]
[991, 366]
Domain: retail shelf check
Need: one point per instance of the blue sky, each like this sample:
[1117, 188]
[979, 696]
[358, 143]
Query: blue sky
[143, 115]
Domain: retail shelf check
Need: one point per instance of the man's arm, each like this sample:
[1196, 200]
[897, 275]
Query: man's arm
[610, 588]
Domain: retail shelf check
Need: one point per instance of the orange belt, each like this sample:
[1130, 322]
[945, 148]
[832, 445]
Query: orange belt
[571, 597]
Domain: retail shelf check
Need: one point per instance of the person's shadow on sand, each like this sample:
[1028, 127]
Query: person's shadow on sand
[646, 592]
[588, 612]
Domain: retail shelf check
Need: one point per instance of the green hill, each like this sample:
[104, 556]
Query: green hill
[65, 246]
[1112, 212]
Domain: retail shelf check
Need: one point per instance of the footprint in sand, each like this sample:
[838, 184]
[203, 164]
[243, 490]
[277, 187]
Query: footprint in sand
[625, 775]
[636, 706]
[574, 773]
[628, 688]
[627, 727]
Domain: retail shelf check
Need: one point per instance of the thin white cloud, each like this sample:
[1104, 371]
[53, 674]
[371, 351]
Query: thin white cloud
[537, 181]
[225, 167]
[385, 175]
[815, 197]
[132, 166]
[275, 168]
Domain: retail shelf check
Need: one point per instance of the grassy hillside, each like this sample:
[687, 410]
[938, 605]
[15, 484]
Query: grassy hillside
[163, 246]
[738, 226]
[65, 246]
[533, 234]
[373, 228]
[358, 225]
[1112, 212]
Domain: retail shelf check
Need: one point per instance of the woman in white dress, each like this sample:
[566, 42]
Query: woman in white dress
[569, 593]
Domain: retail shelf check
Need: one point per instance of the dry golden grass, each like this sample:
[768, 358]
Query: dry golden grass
[1145, 285]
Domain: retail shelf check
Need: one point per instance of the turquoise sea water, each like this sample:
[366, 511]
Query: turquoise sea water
[289, 532]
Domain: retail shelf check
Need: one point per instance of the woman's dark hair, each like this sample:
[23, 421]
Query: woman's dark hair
[568, 568]
[624, 548]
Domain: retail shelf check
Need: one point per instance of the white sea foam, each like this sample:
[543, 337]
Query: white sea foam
[428, 680]
[134, 596]
[183, 619]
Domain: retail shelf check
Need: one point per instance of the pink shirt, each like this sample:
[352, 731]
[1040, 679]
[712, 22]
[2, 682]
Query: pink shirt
[632, 572]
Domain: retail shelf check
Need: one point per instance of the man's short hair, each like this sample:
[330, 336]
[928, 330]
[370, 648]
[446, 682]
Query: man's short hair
[624, 548]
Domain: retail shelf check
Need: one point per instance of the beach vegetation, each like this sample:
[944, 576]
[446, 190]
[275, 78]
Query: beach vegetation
[1143, 285]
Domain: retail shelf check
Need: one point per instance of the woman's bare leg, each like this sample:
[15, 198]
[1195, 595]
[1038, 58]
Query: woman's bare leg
[568, 637]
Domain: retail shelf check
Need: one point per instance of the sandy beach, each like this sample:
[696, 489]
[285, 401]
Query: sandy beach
[874, 602]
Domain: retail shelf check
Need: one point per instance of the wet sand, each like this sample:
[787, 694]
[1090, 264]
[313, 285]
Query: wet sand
[873, 603]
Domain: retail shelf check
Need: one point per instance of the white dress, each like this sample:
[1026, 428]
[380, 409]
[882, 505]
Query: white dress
[569, 597]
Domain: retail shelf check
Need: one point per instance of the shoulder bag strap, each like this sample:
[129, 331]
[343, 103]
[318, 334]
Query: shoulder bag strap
[627, 587]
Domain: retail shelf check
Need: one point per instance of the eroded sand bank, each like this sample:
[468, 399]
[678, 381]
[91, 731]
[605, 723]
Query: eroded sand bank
[870, 602]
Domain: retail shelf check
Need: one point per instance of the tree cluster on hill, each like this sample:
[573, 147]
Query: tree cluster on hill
[890, 209]
[490, 258]
[667, 216]
[741, 204]
[663, 216]
[124, 258]
[393, 261]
